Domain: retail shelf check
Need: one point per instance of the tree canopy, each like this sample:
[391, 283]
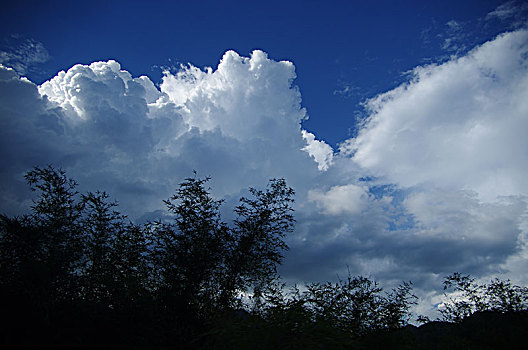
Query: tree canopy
[76, 273]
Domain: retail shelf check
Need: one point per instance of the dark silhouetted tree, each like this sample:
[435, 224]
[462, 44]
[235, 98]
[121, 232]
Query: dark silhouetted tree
[203, 264]
[498, 295]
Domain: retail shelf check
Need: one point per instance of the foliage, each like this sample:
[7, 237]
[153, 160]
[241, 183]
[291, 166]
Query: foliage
[356, 305]
[324, 315]
[498, 295]
[204, 264]
[76, 273]
[75, 254]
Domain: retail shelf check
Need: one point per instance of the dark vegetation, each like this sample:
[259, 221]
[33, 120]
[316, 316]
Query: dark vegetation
[77, 274]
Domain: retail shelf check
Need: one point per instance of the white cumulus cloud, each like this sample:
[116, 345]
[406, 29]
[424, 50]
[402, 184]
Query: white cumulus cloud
[239, 123]
[337, 200]
[318, 150]
[452, 140]
[458, 125]
[245, 97]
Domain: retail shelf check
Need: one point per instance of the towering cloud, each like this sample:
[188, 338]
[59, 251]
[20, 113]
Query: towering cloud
[239, 123]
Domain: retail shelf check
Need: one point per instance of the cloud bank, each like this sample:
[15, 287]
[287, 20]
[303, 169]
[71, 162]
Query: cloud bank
[432, 184]
[452, 139]
[459, 125]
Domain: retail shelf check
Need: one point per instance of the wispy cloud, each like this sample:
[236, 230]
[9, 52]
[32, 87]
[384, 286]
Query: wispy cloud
[513, 11]
[23, 54]
[347, 90]
[455, 37]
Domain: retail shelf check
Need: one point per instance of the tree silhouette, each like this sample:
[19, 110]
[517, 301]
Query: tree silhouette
[204, 264]
[498, 295]
[76, 273]
[75, 254]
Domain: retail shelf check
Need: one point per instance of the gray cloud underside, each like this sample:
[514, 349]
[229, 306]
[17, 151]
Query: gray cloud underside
[450, 144]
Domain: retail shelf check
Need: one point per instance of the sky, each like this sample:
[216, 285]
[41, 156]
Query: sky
[400, 125]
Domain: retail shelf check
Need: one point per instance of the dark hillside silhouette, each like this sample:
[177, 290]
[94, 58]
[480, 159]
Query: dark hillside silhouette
[486, 330]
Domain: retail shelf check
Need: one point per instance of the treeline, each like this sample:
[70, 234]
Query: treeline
[76, 273]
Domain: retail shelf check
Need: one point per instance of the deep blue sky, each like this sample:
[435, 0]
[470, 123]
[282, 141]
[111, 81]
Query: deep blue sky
[365, 45]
